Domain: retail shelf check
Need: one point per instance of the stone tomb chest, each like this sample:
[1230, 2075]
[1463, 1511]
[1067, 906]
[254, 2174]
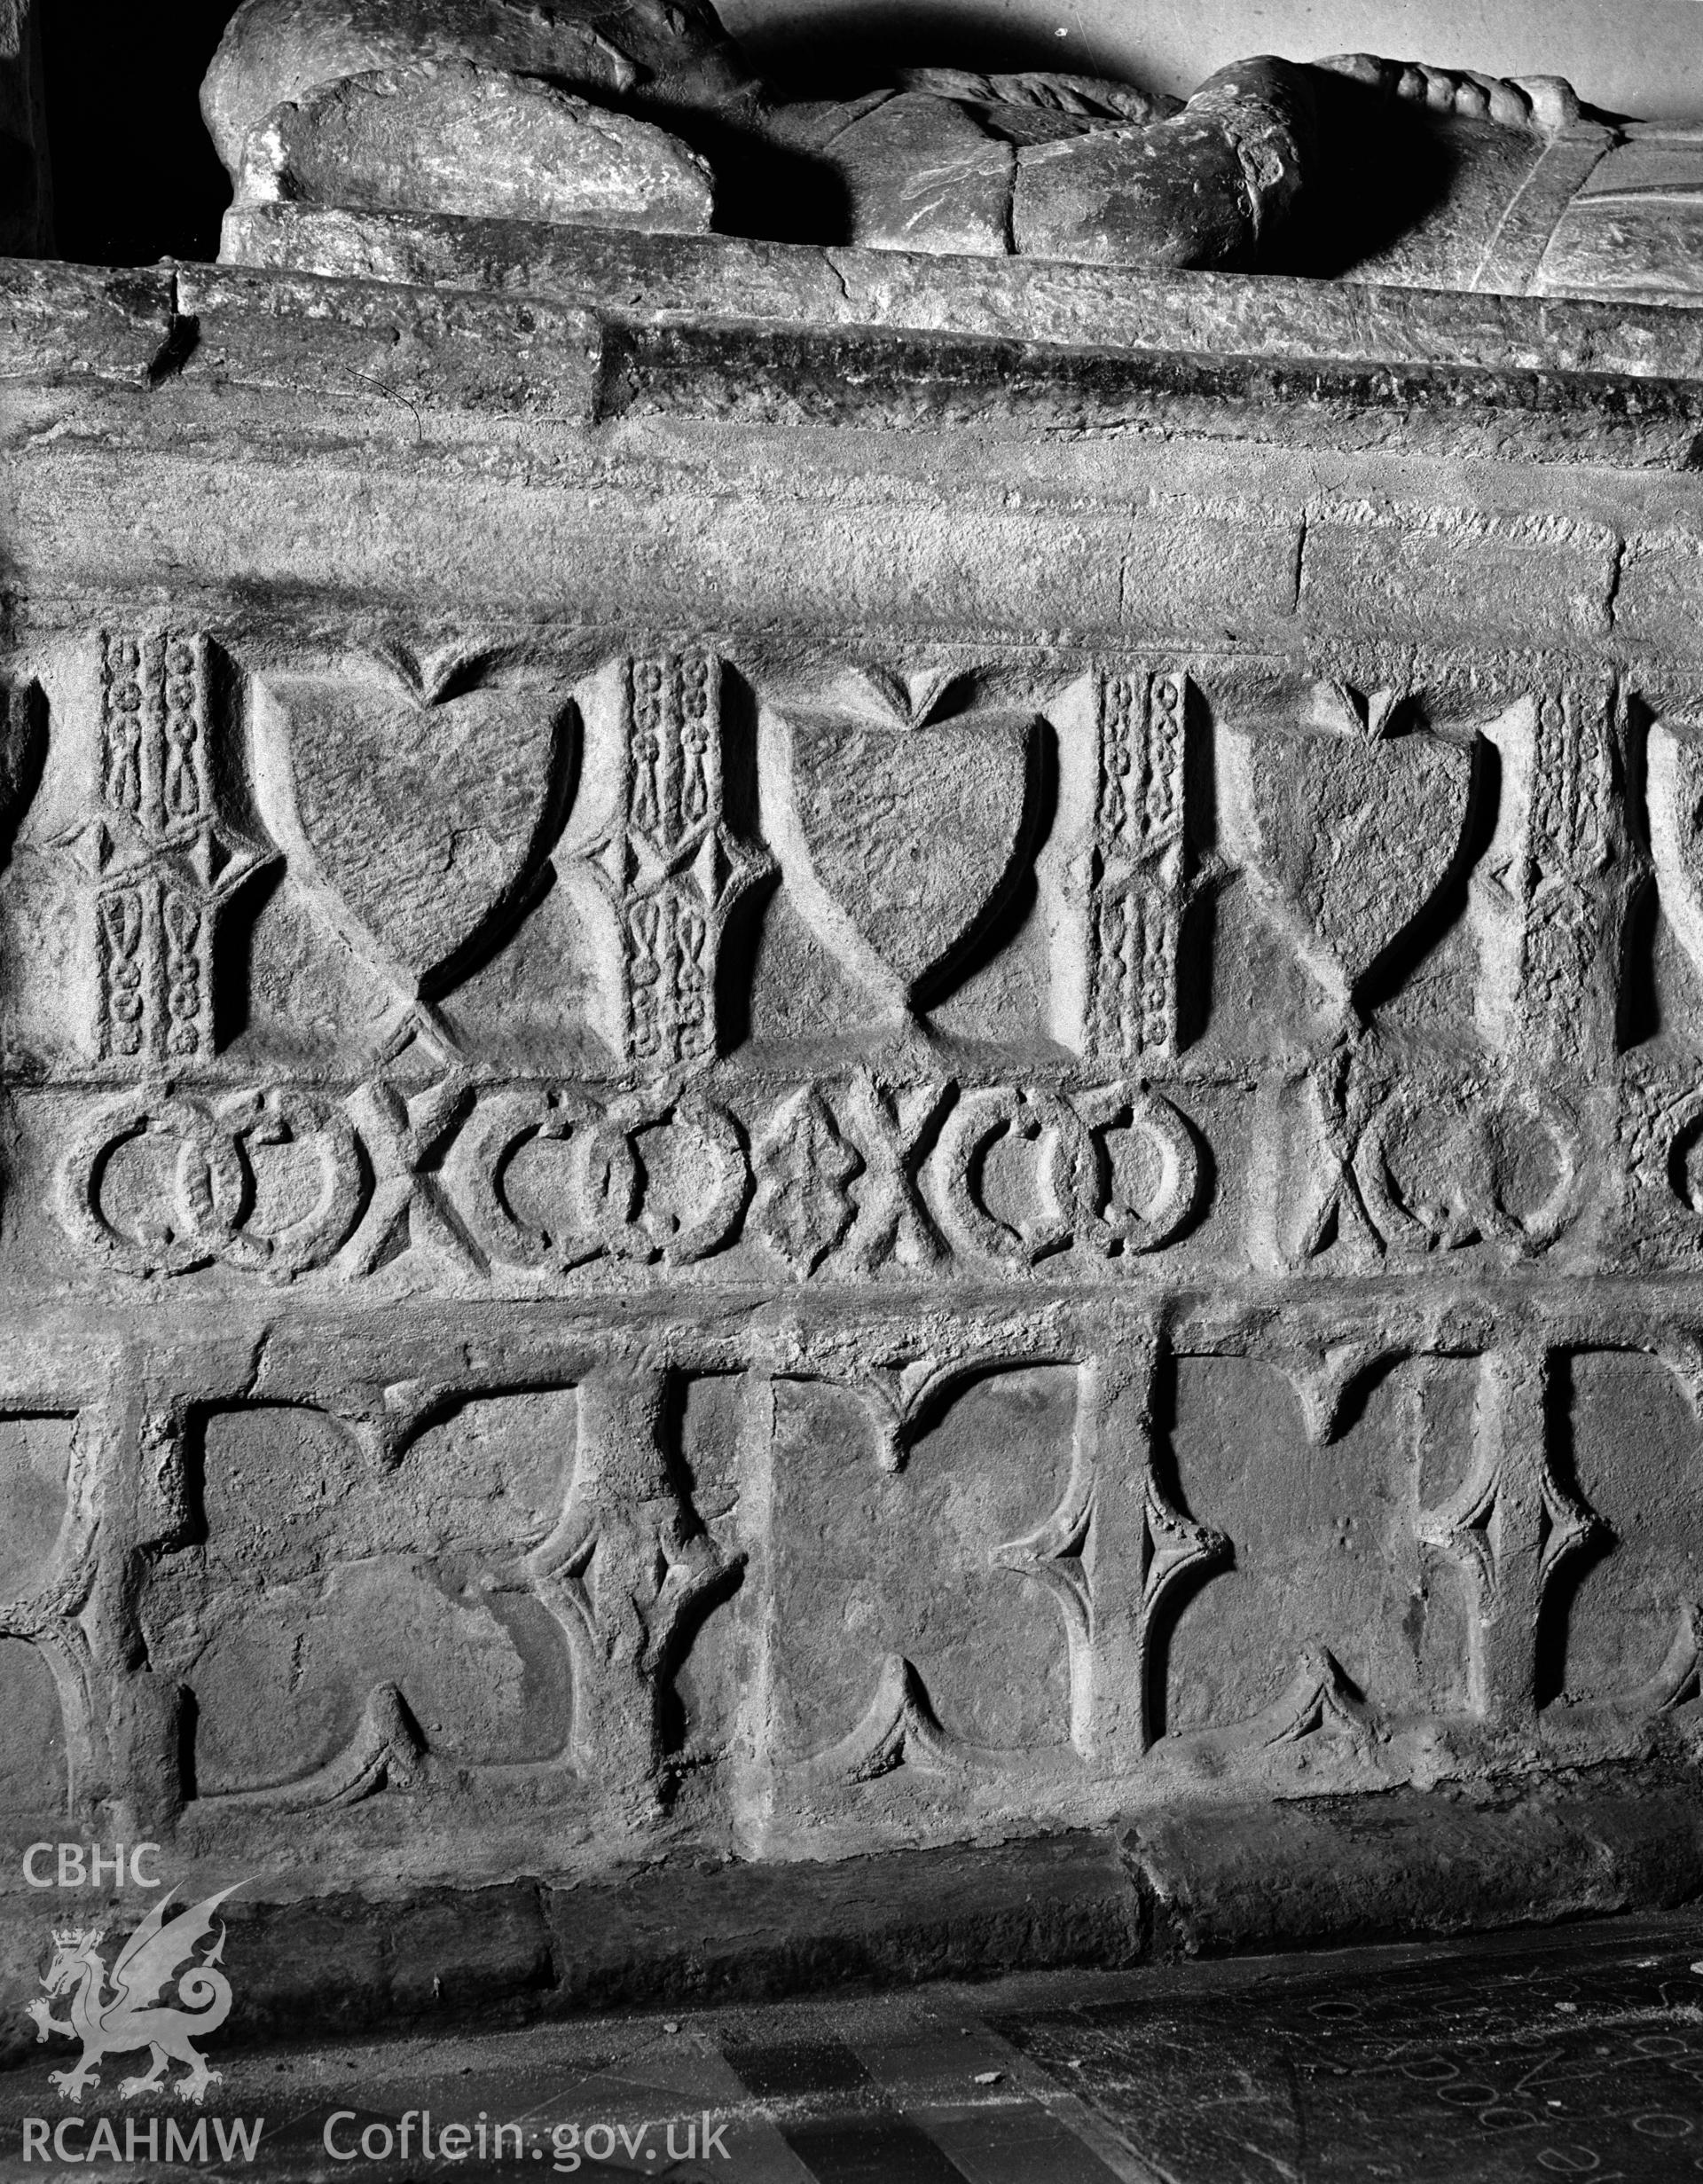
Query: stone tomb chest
[808, 1051]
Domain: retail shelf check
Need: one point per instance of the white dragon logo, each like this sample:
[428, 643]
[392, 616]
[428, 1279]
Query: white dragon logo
[130, 2017]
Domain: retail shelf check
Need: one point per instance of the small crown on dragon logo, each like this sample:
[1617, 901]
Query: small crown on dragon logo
[168, 1990]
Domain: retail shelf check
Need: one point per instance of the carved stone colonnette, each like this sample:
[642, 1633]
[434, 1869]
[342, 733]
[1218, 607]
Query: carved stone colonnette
[721, 1132]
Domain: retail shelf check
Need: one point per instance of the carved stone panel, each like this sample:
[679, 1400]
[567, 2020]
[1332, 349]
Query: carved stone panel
[415, 807]
[1352, 827]
[159, 852]
[862, 790]
[1622, 1634]
[1557, 879]
[751, 1112]
[884, 1658]
[331, 1595]
[664, 847]
[1333, 1584]
[1141, 857]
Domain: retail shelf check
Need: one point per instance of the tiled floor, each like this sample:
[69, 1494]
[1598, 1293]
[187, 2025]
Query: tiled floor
[1573, 2053]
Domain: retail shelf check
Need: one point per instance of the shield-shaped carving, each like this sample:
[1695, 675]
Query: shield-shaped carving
[898, 842]
[421, 822]
[1351, 832]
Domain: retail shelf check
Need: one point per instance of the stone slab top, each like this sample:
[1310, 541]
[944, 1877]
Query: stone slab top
[591, 325]
[673, 279]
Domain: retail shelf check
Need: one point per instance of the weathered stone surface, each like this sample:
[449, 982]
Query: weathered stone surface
[919, 178]
[729, 1933]
[89, 324]
[1254, 964]
[1411, 1863]
[862, 800]
[1102, 309]
[400, 356]
[1351, 829]
[811, 1051]
[1212, 186]
[1288, 363]
[417, 812]
[692, 1933]
[272, 54]
[1357, 166]
[1612, 233]
[349, 1962]
[460, 139]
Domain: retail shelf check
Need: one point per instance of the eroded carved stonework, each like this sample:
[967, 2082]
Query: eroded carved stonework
[722, 1130]
[350, 127]
[1141, 851]
[666, 855]
[1355, 840]
[159, 859]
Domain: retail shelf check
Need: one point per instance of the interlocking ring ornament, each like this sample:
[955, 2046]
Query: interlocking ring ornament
[1473, 1210]
[1537, 1230]
[501, 1131]
[207, 1214]
[1065, 1175]
[209, 1185]
[661, 1174]
[618, 1196]
[1114, 1230]
[1073, 1180]
[1416, 1223]
[284, 1116]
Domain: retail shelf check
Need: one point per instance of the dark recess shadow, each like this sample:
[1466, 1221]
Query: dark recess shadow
[1560, 1595]
[1186, 1587]
[1197, 948]
[189, 1721]
[136, 178]
[135, 174]
[1357, 1394]
[236, 954]
[742, 935]
[1378, 165]
[1638, 998]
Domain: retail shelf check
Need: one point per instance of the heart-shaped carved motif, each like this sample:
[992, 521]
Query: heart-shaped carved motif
[1353, 836]
[424, 820]
[897, 842]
